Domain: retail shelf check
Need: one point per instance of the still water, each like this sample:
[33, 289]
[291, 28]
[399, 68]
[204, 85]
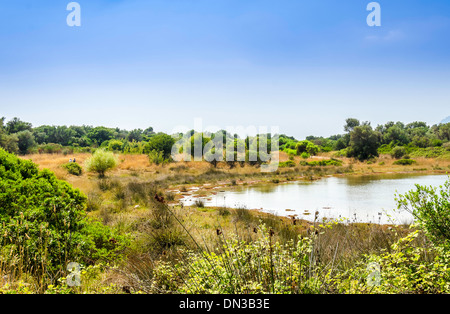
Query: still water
[352, 198]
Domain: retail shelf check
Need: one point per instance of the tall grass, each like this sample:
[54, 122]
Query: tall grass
[20, 262]
[265, 253]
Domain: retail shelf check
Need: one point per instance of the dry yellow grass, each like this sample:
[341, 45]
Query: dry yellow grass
[138, 166]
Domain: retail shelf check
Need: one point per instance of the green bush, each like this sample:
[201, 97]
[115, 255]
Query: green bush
[404, 162]
[431, 208]
[73, 168]
[364, 143]
[290, 151]
[43, 222]
[157, 157]
[101, 161]
[430, 152]
[50, 148]
[322, 163]
[308, 147]
[398, 152]
[287, 164]
[385, 149]
[115, 145]
[161, 143]
[401, 270]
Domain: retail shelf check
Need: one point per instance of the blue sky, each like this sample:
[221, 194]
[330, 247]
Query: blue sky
[304, 66]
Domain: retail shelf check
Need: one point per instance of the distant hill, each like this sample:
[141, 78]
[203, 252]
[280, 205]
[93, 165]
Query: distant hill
[446, 120]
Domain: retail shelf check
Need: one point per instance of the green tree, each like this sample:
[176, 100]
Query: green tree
[8, 142]
[100, 134]
[398, 152]
[115, 145]
[135, 135]
[307, 147]
[442, 132]
[160, 143]
[16, 125]
[198, 143]
[342, 142]
[350, 124]
[364, 142]
[25, 141]
[396, 135]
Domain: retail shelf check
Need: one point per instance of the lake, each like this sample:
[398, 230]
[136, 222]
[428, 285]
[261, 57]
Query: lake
[368, 198]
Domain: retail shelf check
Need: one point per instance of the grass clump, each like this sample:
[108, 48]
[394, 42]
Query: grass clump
[404, 162]
[199, 203]
[73, 168]
[287, 164]
[322, 163]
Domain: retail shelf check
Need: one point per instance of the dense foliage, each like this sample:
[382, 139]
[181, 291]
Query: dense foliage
[431, 207]
[263, 266]
[43, 222]
[360, 140]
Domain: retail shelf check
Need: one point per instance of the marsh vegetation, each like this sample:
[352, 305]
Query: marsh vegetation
[125, 225]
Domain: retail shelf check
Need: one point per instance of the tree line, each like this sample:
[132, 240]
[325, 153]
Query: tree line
[359, 140]
[362, 141]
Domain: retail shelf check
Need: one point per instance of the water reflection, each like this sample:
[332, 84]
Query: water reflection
[353, 198]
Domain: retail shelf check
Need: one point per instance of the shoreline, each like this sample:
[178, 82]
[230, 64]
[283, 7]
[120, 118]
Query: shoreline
[201, 192]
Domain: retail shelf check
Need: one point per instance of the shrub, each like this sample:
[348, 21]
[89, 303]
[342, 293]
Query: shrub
[364, 143]
[101, 161]
[287, 164]
[115, 145]
[50, 148]
[199, 203]
[398, 152]
[26, 141]
[434, 143]
[307, 147]
[446, 145]
[385, 149]
[161, 143]
[322, 163]
[290, 151]
[43, 222]
[401, 270]
[157, 158]
[305, 155]
[430, 152]
[73, 168]
[431, 208]
[404, 162]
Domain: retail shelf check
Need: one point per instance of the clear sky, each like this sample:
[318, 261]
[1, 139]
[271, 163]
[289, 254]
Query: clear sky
[304, 66]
